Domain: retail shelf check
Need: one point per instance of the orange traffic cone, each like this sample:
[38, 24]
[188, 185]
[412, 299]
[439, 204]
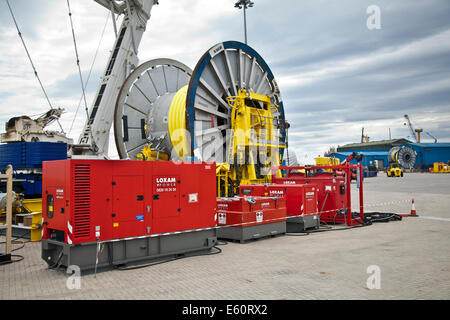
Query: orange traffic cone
[413, 210]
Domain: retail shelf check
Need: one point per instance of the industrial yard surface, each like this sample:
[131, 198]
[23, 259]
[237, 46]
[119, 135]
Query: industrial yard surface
[412, 256]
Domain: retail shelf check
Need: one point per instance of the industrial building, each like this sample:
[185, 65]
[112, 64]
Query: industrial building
[376, 152]
[381, 145]
[429, 153]
[370, 158]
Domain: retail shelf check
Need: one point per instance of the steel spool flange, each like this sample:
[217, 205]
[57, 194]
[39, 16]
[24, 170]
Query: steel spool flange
[407, 157]
[220, 73]
[142, 106]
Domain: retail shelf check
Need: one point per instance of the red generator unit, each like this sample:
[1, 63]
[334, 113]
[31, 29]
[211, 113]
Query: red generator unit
[247, 218]
[332, 196]
[136, 210]
[301, 202]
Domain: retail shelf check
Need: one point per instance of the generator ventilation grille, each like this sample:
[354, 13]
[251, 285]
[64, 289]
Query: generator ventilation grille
[82, 200]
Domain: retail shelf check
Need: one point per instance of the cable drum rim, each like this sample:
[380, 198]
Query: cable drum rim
[407, 157]
[230, 81]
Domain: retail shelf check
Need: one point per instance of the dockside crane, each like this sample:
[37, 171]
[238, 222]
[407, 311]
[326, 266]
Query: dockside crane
[94, 138]
[435, 139]
[413, 132]
[418, 131]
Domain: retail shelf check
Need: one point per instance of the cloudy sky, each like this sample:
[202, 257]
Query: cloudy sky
[335, 74]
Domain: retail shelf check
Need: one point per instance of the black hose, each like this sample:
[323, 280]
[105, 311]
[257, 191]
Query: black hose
[144, 265]
[19, 238]
[16, 241]
[12, 261]
[171, 259]
[383, 216]
[57, 260]
[20, 257]
[21, 242]
[335, 229]
[300, 233]
[366, 222]
[110, 255]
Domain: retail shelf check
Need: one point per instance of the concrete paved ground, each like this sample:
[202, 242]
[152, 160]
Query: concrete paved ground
[412, 255]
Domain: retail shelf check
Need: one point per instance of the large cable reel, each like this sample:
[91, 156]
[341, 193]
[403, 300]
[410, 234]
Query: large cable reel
[166, 106]
[405, 156]
[143, 105]
[393, 155]
[222, 72]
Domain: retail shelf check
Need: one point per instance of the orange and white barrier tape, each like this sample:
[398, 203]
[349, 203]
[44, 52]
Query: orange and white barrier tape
[241, 224]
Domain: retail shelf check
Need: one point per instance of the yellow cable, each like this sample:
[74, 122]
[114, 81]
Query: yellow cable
[177, 122]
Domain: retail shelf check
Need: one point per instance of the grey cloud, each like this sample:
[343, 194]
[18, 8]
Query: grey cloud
[27, 13]
[71, 85]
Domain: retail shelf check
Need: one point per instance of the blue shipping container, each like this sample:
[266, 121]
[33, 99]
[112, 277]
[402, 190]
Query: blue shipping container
[29, 155]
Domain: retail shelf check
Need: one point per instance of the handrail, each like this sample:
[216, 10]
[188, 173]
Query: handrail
[8, 224]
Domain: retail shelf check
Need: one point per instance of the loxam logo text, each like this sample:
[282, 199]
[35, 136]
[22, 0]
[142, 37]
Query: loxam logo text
[289, 182]
[165, 180]
[310, 194]
[277, 192]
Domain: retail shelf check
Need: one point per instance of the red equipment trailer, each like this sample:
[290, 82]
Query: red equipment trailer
[334, 192]
[246, 218]
[130, 202]
[301, 202]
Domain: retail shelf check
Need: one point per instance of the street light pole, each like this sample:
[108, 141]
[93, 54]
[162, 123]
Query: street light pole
[245, 25]
[244, 4]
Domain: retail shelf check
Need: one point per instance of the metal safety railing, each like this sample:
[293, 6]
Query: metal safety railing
[8, 223]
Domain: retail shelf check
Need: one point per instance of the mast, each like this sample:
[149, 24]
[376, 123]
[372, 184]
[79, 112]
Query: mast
[413, 133]
[94, 139]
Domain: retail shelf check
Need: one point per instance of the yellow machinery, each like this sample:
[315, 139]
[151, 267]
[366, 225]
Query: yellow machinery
[27, 214]
[440, 167]
[147, 154]
[251, 151]
[327, 161]
[223, 179]
[394, 171]
[228, 110]
[32, 210]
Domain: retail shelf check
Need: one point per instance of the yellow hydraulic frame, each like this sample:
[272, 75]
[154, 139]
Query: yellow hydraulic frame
[253, 147]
